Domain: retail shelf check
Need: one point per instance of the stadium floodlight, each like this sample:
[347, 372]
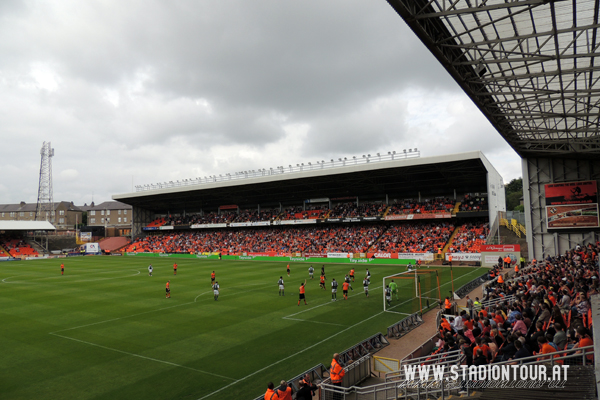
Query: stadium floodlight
[368, 155]
[415, 150]
[309, 163]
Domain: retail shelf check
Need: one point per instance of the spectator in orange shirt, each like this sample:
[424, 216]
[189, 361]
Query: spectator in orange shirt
[584, 340]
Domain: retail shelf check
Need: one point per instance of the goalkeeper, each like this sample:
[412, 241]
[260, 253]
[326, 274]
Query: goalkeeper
[394, 289]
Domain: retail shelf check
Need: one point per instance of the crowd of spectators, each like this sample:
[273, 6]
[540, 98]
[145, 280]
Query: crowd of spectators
[469, 238]
[323, 239]
[17, 247]
[422, 207]
[298, 212]
[473, 203]
[341, 210]
[351, 210]
[414, 238]
[550, 313]
[255, 216]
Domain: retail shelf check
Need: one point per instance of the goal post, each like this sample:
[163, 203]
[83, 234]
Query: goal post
[415, 290]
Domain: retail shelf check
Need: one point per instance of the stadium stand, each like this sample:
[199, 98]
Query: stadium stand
[423, 207]
[18, 248]
[469, 238]
[298, 213]
[414, 238]
[255, 216]
[351, 210]
[305, 239]
[472, 203]
[158, 222]
[543, 312]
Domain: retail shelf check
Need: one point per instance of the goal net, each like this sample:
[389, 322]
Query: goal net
[411, 291]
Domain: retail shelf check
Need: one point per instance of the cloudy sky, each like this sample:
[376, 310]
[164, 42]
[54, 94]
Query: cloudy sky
[138, 92]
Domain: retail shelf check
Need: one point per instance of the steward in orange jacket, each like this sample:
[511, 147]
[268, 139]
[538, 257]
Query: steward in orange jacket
[270, 394]
[336, 372]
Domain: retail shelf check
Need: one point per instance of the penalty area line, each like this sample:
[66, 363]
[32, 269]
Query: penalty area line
[291, 356]
[326, 303]
[143, 357]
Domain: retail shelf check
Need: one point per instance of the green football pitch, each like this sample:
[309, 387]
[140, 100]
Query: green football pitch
[104, 329]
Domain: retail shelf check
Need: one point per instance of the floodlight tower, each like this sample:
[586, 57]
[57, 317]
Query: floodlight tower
[45, 203]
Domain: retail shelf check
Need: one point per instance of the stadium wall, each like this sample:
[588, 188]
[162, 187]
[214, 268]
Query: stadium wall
[538, 172]
[315, 260]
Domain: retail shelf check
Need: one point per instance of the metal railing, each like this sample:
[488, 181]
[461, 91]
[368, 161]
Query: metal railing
[355, 373]
[493, 302]
[363, 348]
[448, 358]
[281, 170]
[315, 374]
[404, 326]
[468, 287]
[441, 388]
[576, 356]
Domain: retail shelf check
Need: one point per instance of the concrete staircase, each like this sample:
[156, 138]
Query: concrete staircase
[511, 238]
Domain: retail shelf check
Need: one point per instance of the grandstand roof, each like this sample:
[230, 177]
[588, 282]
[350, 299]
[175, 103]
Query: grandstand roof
[405, 178]
[26, 226]
[530, 66]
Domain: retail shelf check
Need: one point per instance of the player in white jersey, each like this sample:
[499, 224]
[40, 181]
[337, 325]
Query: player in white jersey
[216, 288]
[311, 271]
[366, 286]
[281, 286]
[150, 269]
[334, 286]
[388, 295]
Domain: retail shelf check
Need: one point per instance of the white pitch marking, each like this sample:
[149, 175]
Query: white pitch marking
[119, 318]
[307, 348]
[63, 277]
[314, 322]
[326, 303]
[143, 357]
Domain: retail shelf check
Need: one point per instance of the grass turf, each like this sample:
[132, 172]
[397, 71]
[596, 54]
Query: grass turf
[105, 330]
